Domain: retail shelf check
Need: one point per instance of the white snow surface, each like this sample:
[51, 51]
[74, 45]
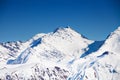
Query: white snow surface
[61, 55]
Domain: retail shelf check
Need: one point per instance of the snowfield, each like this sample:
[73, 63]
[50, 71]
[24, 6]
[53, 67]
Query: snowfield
[61, 55]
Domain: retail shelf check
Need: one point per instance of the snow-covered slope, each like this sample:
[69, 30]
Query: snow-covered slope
[62, 45]
[102, 64]
[61, 55]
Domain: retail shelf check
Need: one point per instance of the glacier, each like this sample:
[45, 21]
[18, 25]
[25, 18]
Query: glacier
[63, 54]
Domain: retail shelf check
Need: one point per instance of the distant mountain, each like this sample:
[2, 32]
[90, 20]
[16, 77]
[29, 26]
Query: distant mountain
[61, 55]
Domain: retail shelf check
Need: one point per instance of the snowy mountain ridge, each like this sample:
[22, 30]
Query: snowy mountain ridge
[61, 55]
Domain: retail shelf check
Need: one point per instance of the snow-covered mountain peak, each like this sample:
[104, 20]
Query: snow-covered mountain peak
[61, 55]
[64, 42]
[112, 43]
[68, 31]
[62, 30]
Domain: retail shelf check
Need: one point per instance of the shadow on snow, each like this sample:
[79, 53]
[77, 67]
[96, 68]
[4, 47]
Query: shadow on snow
[92, 48]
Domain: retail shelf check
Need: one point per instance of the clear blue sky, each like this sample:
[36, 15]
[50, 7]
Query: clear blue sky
[22, 19]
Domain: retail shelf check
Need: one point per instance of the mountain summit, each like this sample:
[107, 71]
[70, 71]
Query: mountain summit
[61, 55]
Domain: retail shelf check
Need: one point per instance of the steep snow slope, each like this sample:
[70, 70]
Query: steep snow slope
[61, 55]
[112, 43]
[102, 64]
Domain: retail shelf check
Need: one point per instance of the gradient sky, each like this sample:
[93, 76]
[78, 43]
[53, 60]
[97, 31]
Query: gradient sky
[22, 19]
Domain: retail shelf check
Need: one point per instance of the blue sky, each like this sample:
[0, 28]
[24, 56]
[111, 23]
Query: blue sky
[22, 19]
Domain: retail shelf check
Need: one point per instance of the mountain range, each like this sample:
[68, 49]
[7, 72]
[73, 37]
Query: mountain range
[63, 54]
